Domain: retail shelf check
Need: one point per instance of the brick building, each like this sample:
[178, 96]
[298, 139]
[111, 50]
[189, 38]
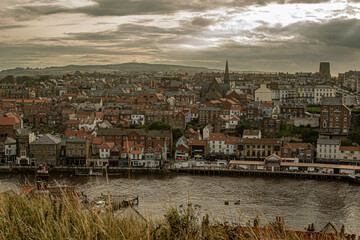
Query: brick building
[155, 139]
[304, 151]
[292, 110]
[335, 116]
[209, 115]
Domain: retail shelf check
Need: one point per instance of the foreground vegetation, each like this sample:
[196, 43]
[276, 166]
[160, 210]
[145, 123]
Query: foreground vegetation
[44, 218]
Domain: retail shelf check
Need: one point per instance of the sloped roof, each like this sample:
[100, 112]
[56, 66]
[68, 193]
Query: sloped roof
[298, 145]
[349, 148]
[7, 121]
[97, 140]
[47, 139]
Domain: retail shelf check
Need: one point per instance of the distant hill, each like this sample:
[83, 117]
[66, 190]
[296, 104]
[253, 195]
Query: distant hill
[114, 68]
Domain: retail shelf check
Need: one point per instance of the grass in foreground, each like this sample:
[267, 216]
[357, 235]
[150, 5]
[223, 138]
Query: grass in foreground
[44, 218]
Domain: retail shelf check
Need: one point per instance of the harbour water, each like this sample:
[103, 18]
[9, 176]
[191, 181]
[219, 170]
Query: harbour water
[300, 202]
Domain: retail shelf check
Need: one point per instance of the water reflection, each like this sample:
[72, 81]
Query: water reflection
[300, 202]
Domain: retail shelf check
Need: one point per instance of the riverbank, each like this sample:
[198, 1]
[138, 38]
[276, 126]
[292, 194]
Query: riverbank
[44, 218]
[197, 171]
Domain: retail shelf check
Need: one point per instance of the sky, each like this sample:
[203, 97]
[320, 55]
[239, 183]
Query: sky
[255, 35]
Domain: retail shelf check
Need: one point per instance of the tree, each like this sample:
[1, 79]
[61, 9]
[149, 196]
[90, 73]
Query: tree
[177, 133]
[8, 79]
[240, 128]
[143, 126]
[158, 125]
[44, 77]
[309, 135]
[346, 142]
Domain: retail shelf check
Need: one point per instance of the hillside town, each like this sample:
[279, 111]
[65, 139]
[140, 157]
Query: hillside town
[261, 121]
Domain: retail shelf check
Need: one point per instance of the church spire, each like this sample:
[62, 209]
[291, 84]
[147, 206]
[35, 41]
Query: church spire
[226, 75]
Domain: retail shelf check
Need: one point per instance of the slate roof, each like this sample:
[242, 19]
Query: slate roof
[125, 132]
[47, 139]
[328, 141]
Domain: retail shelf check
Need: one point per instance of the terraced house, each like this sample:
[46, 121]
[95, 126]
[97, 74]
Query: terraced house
[45, 150]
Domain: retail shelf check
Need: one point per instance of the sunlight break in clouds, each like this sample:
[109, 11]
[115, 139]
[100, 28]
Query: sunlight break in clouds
[249, 33]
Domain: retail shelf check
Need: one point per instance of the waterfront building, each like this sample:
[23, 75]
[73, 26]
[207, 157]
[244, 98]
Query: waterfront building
[198, 148]
[327, 150]
[77, 151]
[10, 150]
[156, 139]
[303, 151]
[46, 150]
[24, 138]
[105, 148]
[182, 152]
[258, 148]
[217, 143]
[350, 155]
[294, 166]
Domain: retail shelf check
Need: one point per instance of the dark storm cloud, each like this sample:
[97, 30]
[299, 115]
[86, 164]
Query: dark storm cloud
[340, 32]
[290, 56]
[344, 33]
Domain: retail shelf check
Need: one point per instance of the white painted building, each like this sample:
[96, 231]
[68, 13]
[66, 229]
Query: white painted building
[349, 153]
[89, 124]
[328, 149]
[231, 145]
[217, 143]
[207, 130]
[305, 94]
[235, 110]
[138, 119]
[264, 94]
[104, 150]
[10, 150]
[252, 133]
[323, 91]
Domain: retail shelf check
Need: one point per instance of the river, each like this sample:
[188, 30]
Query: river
[300, 202]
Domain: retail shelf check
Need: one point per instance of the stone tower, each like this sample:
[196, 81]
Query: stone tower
[324, 69]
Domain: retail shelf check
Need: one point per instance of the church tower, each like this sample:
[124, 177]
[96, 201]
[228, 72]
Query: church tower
[226, 75]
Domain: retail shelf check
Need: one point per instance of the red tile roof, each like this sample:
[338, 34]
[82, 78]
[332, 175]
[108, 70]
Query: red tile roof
[97, 140]
[217, 137]
[298, 145]
[107, 145]
[7, 121]
[349, 148]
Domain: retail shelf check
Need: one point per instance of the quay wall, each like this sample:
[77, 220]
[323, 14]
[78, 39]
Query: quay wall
[197, 171]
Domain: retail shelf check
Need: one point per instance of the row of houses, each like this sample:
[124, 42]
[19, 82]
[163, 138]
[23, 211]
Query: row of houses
[251, 147]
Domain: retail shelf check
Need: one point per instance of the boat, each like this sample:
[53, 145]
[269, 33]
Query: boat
[117, 201]
[354, 178]
[90, 173]
[42, 187]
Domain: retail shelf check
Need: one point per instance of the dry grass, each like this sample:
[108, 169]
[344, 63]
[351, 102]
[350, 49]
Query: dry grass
[44, 218]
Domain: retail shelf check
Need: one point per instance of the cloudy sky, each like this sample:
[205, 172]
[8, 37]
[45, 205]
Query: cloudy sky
[278, 35]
